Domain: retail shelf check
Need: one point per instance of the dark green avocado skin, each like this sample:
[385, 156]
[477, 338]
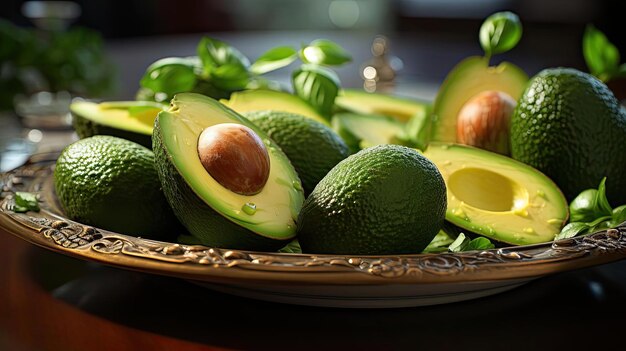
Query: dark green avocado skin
[86, 128]
[206, 225]
[570, 126]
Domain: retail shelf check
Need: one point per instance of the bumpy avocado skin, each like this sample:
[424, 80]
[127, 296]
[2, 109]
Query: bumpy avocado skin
[85, 128]
[569, 125]
[312, 147]
[215, 229]
[387, 199]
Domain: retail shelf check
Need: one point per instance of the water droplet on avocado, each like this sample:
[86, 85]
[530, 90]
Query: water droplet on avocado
[529, 230]
[457, 212]
[249, 208]
[267, 142]
[541, 193]
[296, 185]
[522, 212]
[555, 221]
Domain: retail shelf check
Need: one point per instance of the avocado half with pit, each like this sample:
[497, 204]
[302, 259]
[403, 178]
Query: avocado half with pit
[464, 85]
[262, 100]
[498, 197]
[130, 120]
[364, 103]
[204, 152]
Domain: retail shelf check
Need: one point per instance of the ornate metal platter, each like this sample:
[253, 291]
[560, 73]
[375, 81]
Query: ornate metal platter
[321, 280]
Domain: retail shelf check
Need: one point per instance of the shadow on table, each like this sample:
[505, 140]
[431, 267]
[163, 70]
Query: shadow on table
[581, 308]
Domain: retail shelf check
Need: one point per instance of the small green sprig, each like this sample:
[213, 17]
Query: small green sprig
[25, 202]
[463, 243]
[601, 56]
[590, 211]
[500, 33]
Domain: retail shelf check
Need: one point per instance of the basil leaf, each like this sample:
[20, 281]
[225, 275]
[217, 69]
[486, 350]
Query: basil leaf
[214, 53]
[274, 59]
[292, 247]
[325, 52]
[232, 76]
[572, 229]
[170, 75]
[583, 207]
[602, 203]
[601, 56]
[500, 32]
[459, 244]
[316, 85]
[480, 243]
[440, 243]
[619, 216]
[25, 202]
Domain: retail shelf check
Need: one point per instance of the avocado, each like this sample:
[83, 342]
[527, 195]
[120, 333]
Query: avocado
[131, 120]
[259, 100]
[213, 213]
[112, 183]
[569, 125]
[498, 197]
[386, 199]
[467, 79]
[364, 103]
[312, 147]
[365, 130]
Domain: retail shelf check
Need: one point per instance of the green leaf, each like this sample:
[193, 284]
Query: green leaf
[318, 86]
[325, 52]
[601, 56]
[214, 53]
[416, 133]
[602, 203]
[440, 243]
[170, 75]
[274, 59]
[583, 207]
[292, 247]
[25, 202]
[500, 32]
[572, 229]
[232, 76]
[480, 243]
[619, 216]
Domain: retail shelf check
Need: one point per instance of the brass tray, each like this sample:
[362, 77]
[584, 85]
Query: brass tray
[319, 280]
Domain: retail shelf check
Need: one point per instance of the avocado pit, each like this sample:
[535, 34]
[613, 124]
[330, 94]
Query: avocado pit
[235, 156]
[484, 121]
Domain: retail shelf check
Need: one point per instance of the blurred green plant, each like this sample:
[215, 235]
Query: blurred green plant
[220, 69]
[601, 56]
[32, 60]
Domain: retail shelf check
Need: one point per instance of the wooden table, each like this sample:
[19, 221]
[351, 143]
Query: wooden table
[52, 302]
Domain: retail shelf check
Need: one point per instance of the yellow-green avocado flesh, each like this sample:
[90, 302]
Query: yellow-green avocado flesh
[498, 197]
[213, 214]
[362, 102]
[467, 79]
[131, 120]
[261, 100]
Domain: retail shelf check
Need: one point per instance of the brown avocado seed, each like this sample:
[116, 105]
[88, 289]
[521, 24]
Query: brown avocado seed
[235, 157]
[484, 121]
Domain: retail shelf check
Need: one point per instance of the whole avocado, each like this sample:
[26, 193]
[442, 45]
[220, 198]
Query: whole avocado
[387, 199]
[570, 126]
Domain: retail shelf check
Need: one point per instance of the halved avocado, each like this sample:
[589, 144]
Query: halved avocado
[466, 80]
[131, 120]
[498, 197]
[360, 131]
[362, 102]
[260, 100]
[213, 214]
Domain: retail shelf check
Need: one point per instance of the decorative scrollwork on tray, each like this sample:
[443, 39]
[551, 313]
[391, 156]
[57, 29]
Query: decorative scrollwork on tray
[82, 238]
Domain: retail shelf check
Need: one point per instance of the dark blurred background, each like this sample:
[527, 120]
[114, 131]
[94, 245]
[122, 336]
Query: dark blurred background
[427, 36]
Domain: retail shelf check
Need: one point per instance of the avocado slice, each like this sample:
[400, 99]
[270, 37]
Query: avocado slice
[570, 126]
[131, 120]
[361, 102]
[361, 131]
[213, 214]
[498, 197]
[259, 100]
[466, 80]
